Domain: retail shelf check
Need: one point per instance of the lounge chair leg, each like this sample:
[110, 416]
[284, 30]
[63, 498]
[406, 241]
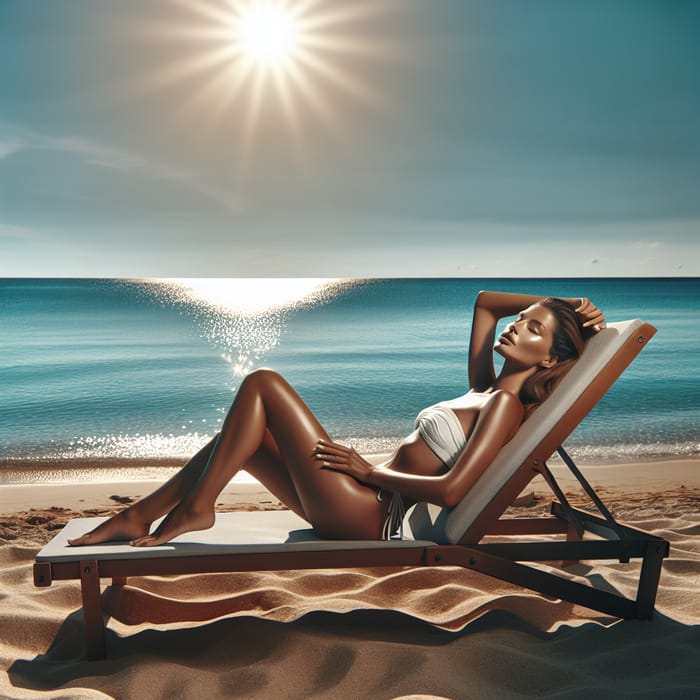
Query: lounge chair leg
[92, 610]
[571, 536]
[649, 578]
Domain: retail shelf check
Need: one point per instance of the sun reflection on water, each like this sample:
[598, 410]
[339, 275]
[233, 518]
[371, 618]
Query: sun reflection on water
[254, 296]
[244, 318]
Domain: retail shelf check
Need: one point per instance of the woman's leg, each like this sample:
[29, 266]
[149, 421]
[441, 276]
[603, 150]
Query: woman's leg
[334, 503]
[135, 521]
[269, 469]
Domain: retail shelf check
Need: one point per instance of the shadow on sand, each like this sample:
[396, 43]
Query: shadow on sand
[373, 653]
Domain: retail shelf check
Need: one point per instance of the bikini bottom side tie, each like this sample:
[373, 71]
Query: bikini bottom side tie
[395, 515]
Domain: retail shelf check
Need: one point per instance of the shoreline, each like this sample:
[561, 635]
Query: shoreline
[61, 464]
[27, 472]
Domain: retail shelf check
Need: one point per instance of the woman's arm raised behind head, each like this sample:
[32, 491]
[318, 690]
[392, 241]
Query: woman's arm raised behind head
[489, 308]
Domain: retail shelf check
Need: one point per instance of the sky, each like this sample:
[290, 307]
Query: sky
[459, 138]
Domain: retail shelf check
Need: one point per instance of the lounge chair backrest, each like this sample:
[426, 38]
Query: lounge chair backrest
[450, 525]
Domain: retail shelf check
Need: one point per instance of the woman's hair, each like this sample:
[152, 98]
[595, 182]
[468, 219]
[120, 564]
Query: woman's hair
[567, 345]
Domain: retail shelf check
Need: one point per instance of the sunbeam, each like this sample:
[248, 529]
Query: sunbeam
[261, 69]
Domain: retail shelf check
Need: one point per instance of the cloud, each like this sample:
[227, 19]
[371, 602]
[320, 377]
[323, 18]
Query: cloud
[95, 154]
[9, 148]
[8, 231]
[90, 151]
[649, 246]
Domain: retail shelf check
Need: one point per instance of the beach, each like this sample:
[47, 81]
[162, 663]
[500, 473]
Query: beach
[387, 633]
[235, 231]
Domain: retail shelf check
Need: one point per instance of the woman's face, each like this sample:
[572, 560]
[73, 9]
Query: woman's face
[527, 341]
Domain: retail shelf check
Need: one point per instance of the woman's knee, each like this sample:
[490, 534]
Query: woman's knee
[262, 378]
[263, 374]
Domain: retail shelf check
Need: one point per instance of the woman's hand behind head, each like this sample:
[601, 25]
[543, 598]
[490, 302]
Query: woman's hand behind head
[590, 315]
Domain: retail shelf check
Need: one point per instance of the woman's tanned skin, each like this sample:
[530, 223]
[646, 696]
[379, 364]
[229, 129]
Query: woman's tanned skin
[270, 432]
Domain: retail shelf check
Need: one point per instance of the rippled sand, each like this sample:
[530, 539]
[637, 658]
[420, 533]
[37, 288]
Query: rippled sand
[359, 633]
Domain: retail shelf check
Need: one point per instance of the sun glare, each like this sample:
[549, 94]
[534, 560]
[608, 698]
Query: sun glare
[267, 33]
[282, 67]
[252, 296]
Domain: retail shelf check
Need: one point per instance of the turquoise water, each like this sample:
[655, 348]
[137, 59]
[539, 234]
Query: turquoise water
[143, 369]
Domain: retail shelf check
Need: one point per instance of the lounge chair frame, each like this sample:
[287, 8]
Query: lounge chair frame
[514, 561]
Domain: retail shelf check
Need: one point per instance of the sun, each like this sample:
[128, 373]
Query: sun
[246, 74]
[267, 33]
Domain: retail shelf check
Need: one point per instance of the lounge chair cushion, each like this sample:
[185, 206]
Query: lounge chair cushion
[233, 533]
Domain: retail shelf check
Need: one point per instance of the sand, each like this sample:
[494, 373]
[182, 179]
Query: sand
[360, 633]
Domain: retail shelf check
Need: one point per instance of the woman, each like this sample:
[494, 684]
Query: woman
[271, 433]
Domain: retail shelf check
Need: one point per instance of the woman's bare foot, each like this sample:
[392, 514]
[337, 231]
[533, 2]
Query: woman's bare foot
[124, 526]
[184, 518]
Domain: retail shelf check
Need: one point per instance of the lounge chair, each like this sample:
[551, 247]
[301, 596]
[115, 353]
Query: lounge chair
[264, 541]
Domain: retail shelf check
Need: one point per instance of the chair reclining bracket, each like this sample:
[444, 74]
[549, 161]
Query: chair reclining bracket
[602, 509]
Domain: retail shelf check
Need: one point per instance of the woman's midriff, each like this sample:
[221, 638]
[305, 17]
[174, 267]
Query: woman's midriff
[415, 457]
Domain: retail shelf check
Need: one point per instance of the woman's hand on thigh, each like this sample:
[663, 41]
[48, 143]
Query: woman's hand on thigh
[343, 459]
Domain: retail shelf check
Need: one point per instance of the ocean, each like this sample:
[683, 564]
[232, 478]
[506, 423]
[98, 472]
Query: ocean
[95, 370]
